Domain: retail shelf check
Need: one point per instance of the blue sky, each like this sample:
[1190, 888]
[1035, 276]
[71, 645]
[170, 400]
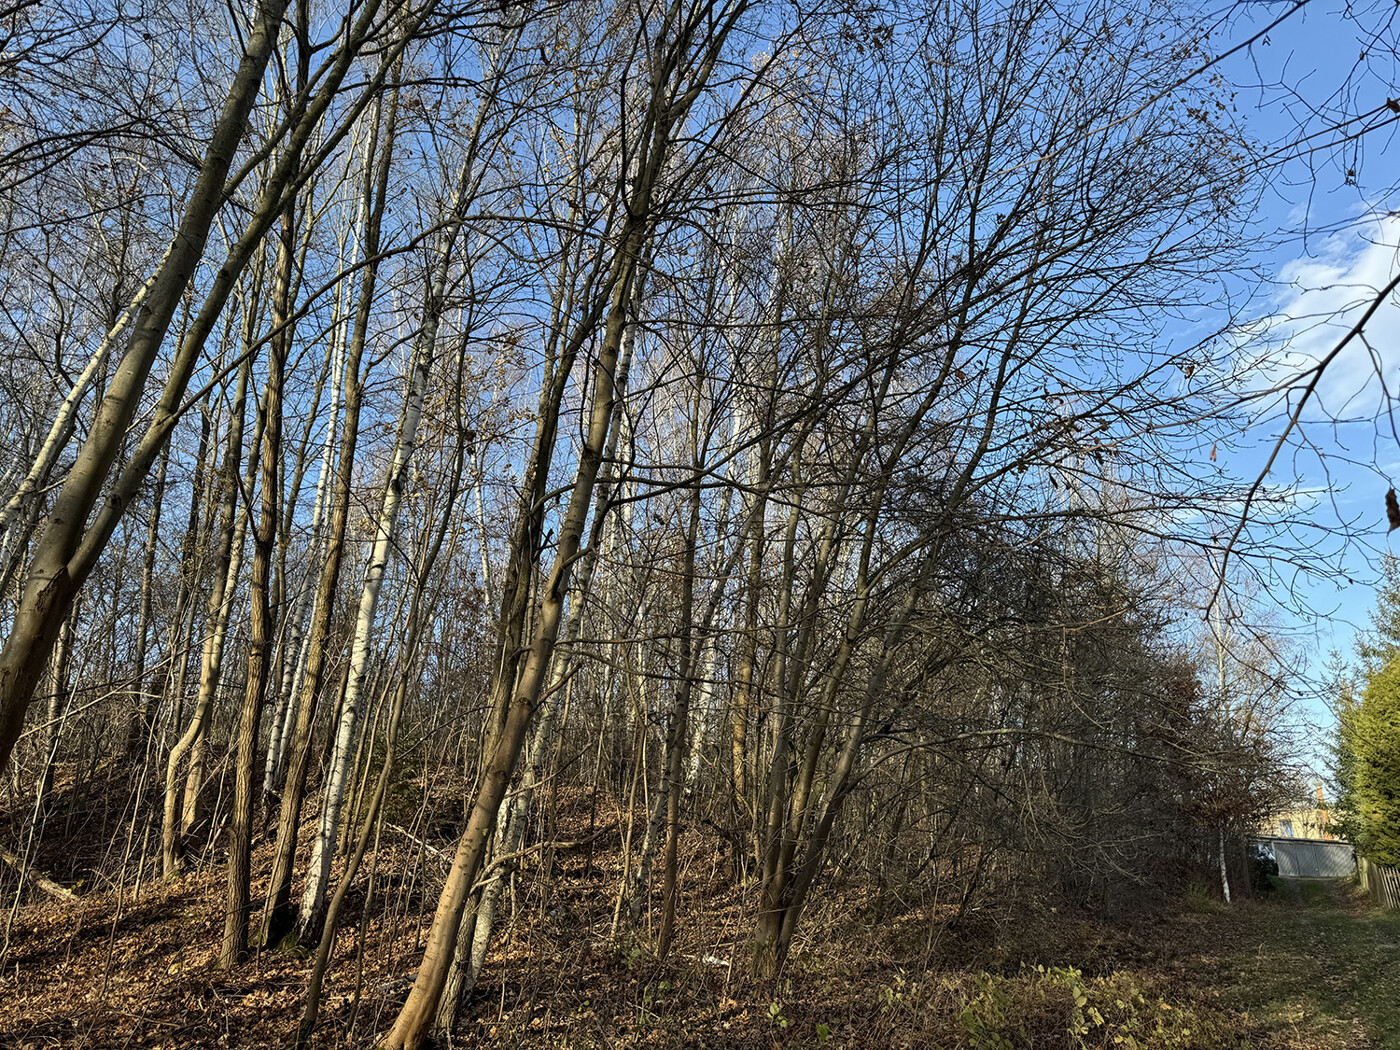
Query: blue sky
[1326, 246]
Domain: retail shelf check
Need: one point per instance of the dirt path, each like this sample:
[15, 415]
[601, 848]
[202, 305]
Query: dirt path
[1317, 966]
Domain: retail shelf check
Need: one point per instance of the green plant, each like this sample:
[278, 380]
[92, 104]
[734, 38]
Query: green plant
[1200, 897]
[775, 1014]
[894, 993]
[1059, 1007]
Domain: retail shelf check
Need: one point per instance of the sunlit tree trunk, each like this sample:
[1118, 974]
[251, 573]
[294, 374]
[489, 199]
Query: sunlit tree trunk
[60, 563]
[278, 916]
[479, 917]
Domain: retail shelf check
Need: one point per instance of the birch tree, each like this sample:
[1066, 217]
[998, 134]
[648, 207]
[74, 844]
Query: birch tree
[464, 195]
[690, 44]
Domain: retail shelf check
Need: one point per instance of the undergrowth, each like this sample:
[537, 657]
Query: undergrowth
[1059, 1007]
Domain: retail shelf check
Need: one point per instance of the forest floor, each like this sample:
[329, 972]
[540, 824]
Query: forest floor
[1312, 966]
[1316, 965]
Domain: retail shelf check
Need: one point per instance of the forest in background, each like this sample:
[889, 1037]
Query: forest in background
[742, 482]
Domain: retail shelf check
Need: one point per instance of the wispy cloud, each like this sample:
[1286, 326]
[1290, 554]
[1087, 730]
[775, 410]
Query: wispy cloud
[1320, 298]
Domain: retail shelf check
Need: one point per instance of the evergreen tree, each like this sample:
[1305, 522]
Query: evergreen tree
[1381, 644]
[1366, 754]
[1369, 767]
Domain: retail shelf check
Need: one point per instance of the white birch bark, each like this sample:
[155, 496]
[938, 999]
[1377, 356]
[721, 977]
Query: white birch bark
[1224, 875]
[706, 713]
[290, 689]
[61, 430]
[487, 576]
[323, 850]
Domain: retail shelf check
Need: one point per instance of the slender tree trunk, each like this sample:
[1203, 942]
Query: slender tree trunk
[260, 640]
[220, 603]
[57, 706]
[1224, 874]
[53, 579]
[278, 916]
[293, 626]
[168, 682]
[139, 723]
[295, 669]
[740, 754]
[680, 717]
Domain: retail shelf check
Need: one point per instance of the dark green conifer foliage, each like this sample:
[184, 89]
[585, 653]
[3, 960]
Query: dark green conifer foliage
[1367, 753]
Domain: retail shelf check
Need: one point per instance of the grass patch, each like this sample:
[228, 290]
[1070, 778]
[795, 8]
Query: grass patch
[1315, 967]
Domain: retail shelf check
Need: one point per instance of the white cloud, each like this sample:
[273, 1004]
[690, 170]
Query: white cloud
[1320, 298]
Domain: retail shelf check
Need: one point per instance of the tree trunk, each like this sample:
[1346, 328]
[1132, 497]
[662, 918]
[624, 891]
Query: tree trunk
[474, 936]
[260, 639]
[220, 604]
[298, 635]
[1224, 874]
[278, 916]
[57, 706]
[53, 579]
[680, 715]
[141, 718]
[168, 682]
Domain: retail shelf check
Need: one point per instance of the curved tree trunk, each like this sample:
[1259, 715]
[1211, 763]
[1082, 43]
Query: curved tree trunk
[67, 550]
